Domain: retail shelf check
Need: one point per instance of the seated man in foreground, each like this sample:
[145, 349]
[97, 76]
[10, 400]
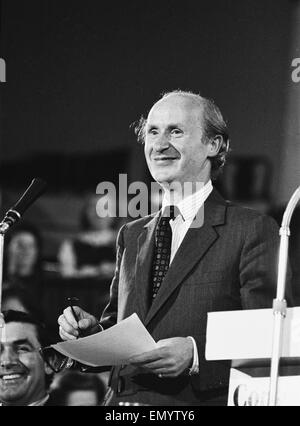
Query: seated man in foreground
[24, 376]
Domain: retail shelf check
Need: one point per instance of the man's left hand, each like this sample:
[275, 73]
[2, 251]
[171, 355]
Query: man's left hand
[170, 359]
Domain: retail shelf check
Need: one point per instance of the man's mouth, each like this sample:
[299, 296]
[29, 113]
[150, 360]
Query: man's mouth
[163, 159]
[11, 378]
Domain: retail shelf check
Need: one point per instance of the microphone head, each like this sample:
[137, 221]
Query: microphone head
[34, 191]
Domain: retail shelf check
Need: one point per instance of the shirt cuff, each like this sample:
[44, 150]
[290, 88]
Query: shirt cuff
[195, 366]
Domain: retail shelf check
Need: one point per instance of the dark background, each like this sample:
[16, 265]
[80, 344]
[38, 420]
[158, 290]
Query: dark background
[78, 73]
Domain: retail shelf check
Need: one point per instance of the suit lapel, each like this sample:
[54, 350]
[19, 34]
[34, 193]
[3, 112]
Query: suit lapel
[145, 247]
[193, 247]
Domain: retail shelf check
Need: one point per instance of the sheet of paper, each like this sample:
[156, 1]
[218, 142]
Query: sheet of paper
[113, 346]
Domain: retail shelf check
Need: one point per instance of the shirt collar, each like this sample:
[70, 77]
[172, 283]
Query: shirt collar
[36, 403]
[190, 205]
[39, 402]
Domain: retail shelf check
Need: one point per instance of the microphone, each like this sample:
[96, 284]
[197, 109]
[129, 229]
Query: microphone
[34, 191]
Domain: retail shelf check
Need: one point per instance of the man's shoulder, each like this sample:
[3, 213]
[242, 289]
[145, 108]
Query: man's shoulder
[236, 212]
[239, 213]
[242, 211]
[138, 224]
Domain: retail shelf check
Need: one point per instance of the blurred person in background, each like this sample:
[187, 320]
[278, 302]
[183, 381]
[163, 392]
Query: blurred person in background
[24, 376]
[78, 389]
[17, 298]
[23, 260]
[92, 252]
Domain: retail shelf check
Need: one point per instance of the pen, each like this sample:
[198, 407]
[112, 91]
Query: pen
[72, 301]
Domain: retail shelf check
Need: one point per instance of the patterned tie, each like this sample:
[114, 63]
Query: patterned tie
[162, 251]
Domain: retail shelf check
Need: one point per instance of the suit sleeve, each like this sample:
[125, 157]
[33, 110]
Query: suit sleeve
[109, 316]
[259, 265]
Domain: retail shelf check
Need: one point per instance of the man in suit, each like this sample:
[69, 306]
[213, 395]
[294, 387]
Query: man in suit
[24, 376]
[228, 262]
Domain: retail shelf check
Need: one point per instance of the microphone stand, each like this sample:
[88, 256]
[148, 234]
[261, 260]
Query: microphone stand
[3, 229]
[279, 304]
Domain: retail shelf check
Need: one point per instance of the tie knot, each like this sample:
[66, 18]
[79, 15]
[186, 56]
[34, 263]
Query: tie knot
[170, 212]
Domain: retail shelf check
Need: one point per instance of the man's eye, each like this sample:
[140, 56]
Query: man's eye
[23, 349]
[176, 132]
[153, 132]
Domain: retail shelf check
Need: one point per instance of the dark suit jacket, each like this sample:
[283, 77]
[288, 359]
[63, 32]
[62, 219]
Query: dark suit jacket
[229, 263]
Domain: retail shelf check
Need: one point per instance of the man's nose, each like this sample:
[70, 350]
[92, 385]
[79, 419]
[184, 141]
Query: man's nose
[162, 143]
[7, 357]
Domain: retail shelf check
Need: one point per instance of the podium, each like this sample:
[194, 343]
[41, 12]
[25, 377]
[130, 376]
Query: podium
[245, 338]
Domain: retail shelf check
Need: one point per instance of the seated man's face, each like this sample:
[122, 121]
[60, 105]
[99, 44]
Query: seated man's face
[22, 369]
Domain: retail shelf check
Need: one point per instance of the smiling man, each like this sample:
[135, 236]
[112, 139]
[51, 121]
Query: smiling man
[24, 377]
[172, 270]
[172, 133]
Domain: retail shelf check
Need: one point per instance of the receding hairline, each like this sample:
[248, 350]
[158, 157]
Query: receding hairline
[198, 99]
[193, 99]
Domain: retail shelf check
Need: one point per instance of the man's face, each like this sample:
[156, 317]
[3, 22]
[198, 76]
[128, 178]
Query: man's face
[22, 370]
[173, 142]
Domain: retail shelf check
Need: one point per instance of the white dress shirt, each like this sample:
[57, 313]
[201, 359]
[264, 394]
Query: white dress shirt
[187, 208]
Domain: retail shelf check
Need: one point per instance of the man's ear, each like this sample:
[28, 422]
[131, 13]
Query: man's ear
[47, 369]
[214, 145]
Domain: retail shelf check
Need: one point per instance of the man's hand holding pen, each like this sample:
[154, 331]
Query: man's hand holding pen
[75, 322]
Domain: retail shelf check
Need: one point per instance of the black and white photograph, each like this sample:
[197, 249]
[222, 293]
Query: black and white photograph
[150, 205]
